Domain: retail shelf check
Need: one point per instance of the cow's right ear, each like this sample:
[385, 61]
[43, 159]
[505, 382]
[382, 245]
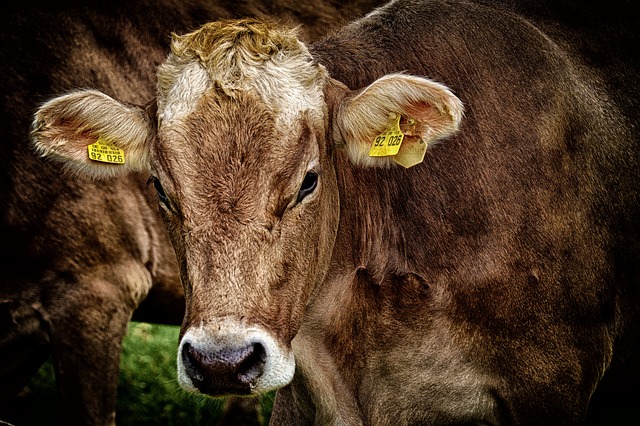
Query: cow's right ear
[94, 134]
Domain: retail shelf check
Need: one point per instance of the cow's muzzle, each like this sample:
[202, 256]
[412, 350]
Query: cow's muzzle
[226, 370]
[230, 358]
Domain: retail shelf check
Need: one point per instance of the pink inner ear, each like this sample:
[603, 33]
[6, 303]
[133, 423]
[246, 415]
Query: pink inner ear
[75, 143]
[60, 126]
[427, 113]
[427, 117]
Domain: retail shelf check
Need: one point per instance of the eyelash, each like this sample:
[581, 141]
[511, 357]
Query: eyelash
[162, 196]
[308, 186]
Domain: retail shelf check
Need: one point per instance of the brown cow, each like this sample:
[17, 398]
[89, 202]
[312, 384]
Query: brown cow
[78, 256]
[493, 282]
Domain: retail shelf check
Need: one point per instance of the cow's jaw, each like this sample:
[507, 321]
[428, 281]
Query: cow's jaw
[230, 358]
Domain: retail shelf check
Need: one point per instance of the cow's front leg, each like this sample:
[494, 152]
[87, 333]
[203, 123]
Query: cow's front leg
[87, 328]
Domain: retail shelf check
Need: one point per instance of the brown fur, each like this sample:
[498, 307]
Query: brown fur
[495, 283]
[451, 296]
[77, 255]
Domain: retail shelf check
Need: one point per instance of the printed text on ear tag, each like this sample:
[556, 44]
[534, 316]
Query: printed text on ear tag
[388, 142]
[105, 152]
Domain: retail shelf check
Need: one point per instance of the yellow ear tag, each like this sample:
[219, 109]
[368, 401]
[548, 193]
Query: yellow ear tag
[388, 142]
[411, 152]
[105, 152]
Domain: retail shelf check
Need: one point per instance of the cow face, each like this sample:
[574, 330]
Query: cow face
[241, 151]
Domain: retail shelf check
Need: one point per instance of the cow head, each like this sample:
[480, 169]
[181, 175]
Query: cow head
[241, 150]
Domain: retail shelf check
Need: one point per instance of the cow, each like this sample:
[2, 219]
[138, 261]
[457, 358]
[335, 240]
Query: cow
[80, 257]
[428, 217]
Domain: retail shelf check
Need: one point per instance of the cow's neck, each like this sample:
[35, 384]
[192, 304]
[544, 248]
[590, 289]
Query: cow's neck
[319, 385]
[371, 280]
[374, 204]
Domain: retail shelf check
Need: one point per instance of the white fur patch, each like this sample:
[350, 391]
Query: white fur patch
[189, 83]
[287, 80]
[279, 365]
[281, 87]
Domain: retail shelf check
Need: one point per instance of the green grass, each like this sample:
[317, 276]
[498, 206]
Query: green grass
[148, 392]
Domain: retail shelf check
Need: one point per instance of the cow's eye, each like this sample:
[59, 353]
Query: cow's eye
[162, 196]
[309, 185]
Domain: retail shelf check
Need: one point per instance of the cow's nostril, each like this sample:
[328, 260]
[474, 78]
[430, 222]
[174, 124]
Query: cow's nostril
[252, 366]
[191, 363]
[225, 370]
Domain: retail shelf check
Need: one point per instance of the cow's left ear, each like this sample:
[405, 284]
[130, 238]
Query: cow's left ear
[420, 107]
[94, 134]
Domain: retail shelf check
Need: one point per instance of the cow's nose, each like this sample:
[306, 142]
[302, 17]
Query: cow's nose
[224, 371]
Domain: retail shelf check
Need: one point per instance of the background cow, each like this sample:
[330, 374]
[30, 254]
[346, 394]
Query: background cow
[78, 256]
[494, 283]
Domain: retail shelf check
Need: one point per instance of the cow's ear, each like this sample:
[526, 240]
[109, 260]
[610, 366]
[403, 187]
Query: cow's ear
[423, 109]
[93, 134]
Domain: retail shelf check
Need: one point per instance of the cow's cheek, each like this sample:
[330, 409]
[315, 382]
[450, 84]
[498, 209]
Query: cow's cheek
[316, 234]
[174, 229]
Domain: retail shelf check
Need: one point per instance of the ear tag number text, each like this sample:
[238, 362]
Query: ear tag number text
[105, 152]
[388, 142]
